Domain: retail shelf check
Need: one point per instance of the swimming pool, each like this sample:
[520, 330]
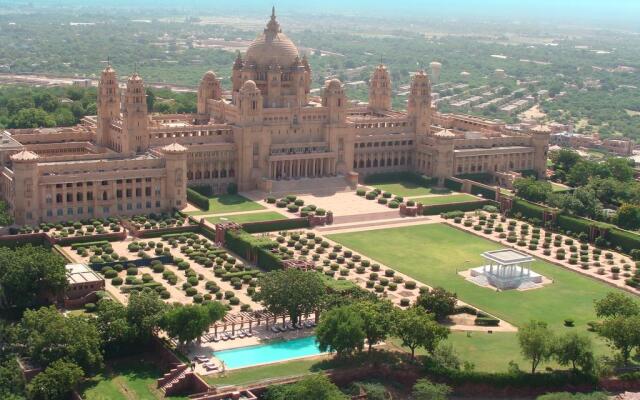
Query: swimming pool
[268, 353]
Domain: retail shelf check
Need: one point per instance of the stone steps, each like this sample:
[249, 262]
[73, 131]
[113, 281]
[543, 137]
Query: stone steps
[310, 186]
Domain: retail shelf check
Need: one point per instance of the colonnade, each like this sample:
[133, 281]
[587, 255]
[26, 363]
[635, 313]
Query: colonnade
[302, 168]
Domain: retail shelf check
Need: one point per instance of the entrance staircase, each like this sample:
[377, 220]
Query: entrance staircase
[172, 378]
[303, 186]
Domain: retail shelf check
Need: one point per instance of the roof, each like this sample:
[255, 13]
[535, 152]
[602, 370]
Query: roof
[80, 273]
[272, 47]
[507, 257]
[25, 155]
[174, 148]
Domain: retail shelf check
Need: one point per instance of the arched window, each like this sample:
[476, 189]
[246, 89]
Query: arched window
[223, 173]
[198, 175]
[105, 196]
[214, 174]
[189, 175]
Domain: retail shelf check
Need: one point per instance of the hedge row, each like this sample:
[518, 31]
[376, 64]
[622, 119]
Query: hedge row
[626, 240]
[558, 379]
[277, 225]
[178, 230]
[198, 199]
[486, 321]
[527, 209]
[436, 209]
[406, 176]
[99, 243]
[253, 247]
[482, 177]
[485, 192]
[453, 185]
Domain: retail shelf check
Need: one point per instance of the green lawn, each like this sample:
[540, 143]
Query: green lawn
[125, 380]
[244, 218]
[433, 253]
[453, 198]
[279, 370]
[228, 203]
[410, 189]
[556, 187]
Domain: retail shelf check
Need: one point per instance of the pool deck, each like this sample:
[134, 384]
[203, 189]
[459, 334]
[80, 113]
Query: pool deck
[261, 335]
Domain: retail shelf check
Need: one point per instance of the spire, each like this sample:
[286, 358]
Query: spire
[273, 27]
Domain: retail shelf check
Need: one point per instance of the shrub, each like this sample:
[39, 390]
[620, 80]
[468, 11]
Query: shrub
[132, 271]
[234, 301]
[569, 322]
[404, 302]
[487, 321]
[117, 281]
[361, 192]
[410, 285]
[90, 307]
[191, 291]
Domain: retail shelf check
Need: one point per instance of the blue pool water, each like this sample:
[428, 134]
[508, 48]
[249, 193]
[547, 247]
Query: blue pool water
[268, 353]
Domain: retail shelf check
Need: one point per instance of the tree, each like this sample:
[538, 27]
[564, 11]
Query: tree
[190, 322]
[12, 381]
[532, 189]
[417, 328]
[628, 216]
[426, 390]
[622, 333]
[565, 159]
[111, 322]
[536, 342]
[576, 350]
[144, 311]
[291, 292]
[56, 382]
[5, 217]
[574, 396]
[377, 319]
[616, 304]
[620, 168]
[579, 174]
[49, 336]
[341, 330]
[29, 274]
[314, 387]
[438, 302]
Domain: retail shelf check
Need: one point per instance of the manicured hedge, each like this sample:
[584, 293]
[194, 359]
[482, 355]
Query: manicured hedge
[406, 176]
[485, 192]
[626, 240]
[198, 199]
[453, 185]
[277, 225]
[253, 247]
[528, 209]
[436, 209]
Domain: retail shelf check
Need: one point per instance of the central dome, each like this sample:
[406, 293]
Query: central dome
[272, 47]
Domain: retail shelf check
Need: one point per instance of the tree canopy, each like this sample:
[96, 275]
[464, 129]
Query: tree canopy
[417, 328]
[56, 382]
[189, 322]
[314, 387]
[49, 336]
[536, 342]
[291, 292]
[30, 275]
[341, 330]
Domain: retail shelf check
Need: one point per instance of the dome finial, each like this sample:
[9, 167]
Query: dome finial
[273, 26]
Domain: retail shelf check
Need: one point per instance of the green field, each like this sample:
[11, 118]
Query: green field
[278, 370]
[407, 189]
[453, 198]
[244, 218]
[228, 203]
[125, 380]
[434, 253]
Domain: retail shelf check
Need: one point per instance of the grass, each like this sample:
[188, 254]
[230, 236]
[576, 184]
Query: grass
[279, 370]
[556, 187]
[454, 198]
[125, 380]
[244, 218]
[406, 189]
[434, 253]
[228, 203]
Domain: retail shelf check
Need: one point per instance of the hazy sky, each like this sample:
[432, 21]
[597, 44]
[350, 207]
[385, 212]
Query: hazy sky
[570, 11]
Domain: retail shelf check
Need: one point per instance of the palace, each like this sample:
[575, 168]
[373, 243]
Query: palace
[266, 131]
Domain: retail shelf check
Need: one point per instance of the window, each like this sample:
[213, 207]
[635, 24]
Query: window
[105, 183]
[79, 196]
[129, 193]
[105, 210]
[148, 204]
[157, 203]
[59, 212]
[119, 193]
[139, 206]
[69, 211]
[129, 206]
[49, 213]
[89, 195]
[80, 211]
[59, 198]
[138, 192]
[69, 197]
[90, 210]
[147, 191]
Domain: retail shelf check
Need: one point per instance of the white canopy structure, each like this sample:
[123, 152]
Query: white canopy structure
[507, 269]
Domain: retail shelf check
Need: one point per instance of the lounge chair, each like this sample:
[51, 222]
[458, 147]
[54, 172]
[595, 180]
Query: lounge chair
[215, 339]
[210, 367]
[241, 335]
[249, 333]
[275, 329]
